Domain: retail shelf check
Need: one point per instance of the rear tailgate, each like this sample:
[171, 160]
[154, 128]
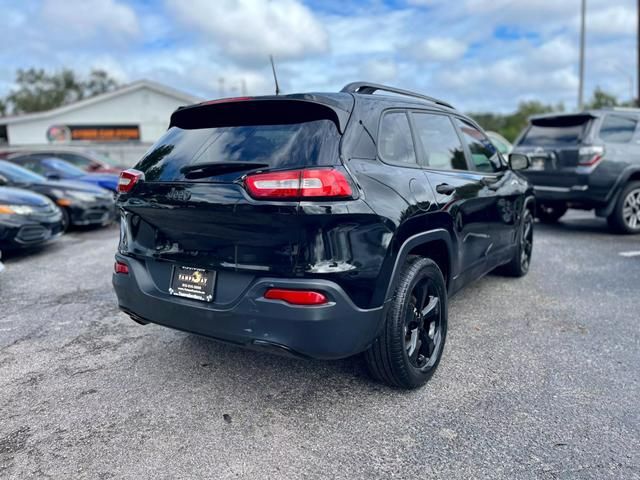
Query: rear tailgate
[193, 207]
[554, 144]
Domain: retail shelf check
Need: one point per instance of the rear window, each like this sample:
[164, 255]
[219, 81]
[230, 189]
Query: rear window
[566, 130]
[227, 139]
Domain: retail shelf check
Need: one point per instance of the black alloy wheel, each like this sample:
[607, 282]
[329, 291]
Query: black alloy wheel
[409, 349]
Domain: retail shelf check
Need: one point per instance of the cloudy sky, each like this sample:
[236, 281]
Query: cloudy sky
[482, 55]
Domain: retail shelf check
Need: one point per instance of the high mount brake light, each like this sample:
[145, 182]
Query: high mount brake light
[296, 297]
[298, 184]
[128, 179]
[589, 156]
[227, 100]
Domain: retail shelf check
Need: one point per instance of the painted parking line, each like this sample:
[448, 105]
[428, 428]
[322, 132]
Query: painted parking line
[635, 253]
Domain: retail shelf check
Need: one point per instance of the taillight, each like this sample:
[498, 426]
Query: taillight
[120, 267]
[292, 184]
[296, 297]
[128, 179]
[589, 156]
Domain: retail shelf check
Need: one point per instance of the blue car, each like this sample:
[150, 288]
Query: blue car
[57, 169]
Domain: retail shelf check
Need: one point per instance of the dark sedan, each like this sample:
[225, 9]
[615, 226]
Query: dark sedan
[57, 169]
[27, 219]
[81, 203]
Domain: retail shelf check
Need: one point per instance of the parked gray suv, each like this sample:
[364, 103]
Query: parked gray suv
[588, 160]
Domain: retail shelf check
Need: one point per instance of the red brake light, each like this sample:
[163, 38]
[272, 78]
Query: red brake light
[307, 183]
[296, 297]
[122, 268]
[128, 179]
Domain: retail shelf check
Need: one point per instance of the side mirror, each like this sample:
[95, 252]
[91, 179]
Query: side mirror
[519, 161]
[52, 176]
[3, 181]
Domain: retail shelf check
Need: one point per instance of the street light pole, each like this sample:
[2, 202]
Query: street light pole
[581, 84]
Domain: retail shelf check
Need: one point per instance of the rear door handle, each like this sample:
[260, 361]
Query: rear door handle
[445, 189]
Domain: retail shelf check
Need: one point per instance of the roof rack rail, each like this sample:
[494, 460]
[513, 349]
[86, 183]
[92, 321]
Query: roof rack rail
[370, 88]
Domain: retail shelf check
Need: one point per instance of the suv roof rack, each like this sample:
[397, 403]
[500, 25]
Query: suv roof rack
[369, 88]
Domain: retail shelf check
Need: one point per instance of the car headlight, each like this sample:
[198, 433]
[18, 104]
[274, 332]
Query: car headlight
[16, 209]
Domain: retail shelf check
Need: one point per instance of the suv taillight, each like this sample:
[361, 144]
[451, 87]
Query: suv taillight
[295, 184]
[128, 179]
[589, 156]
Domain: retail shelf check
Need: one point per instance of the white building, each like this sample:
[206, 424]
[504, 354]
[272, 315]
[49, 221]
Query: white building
[131, 117]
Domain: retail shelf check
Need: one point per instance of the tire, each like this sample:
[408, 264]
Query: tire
[408, 351]
[625, 217]
[519, 264]
[66, 219]
[550, 213]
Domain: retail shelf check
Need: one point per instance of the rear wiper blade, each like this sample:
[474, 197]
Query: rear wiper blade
[203, 170]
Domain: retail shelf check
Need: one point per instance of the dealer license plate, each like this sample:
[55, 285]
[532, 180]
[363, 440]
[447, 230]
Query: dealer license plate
[195, 283]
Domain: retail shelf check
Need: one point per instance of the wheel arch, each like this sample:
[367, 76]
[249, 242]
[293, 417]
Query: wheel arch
[630, 174]
[434, 244]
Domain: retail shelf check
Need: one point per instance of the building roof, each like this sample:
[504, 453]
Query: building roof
[125, 89]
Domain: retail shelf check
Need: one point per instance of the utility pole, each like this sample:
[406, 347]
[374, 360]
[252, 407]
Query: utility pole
[581, 84]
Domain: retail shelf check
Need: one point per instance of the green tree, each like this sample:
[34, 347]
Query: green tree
[3, 108]
[39, 90]
[602, 99]
[510, 125]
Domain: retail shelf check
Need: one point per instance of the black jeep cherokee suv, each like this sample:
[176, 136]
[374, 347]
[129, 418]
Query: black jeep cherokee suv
[588, 160]
[320, 225]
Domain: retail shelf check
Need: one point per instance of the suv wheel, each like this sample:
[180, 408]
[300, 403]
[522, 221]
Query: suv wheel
[626, 214]
[550, 213]
[408, 351]
[519, 264]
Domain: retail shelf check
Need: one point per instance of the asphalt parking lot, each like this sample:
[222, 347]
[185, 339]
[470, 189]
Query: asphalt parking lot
[540, 379]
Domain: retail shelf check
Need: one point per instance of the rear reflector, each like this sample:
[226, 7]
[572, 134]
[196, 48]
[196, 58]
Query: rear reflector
[293, 184]
[128, 179]
[296, 297]
[122, 268]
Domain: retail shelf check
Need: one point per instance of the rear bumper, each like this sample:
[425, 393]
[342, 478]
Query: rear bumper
[336, 330]
[579, 194]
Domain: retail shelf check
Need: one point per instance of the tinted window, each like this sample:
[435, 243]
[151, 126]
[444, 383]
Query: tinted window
[395, 142]
[277, 146]
[19, 174]
[440, 142]
[61, 166]
[617, 129]
[484, 156]
[563, 130]
[76, 160]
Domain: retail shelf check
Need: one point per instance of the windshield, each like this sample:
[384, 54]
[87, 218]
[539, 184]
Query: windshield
[63, 167]
[294, 145]
[565, 130]
[18, 174]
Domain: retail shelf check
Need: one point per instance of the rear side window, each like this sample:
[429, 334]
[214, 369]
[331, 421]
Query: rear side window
[440, 142]
[395, 141]
[618, 129]
[280, 146]
[556, 131]
[484, 156]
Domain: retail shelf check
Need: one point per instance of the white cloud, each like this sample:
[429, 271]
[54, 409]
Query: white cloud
[380, 71]
[615, 20]
[254, 29]
[440, 49]
[90, 18]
